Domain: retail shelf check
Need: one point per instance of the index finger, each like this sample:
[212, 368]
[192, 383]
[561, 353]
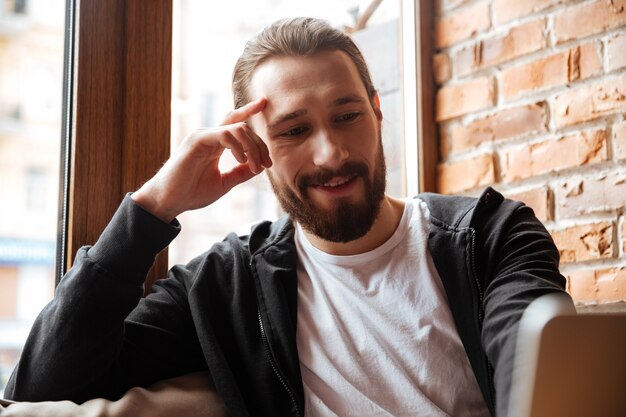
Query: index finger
[243, 113]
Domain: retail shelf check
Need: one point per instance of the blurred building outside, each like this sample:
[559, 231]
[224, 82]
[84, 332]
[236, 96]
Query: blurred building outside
[31, 68]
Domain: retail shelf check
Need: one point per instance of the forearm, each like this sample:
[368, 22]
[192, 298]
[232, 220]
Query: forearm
[73, 346]
[191, 394]
[528, 267]
[75, 339]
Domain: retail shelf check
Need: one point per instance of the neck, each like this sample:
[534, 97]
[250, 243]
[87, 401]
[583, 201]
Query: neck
[384, 226]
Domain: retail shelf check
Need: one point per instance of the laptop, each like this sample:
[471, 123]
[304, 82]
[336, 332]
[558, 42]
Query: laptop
[568, 365]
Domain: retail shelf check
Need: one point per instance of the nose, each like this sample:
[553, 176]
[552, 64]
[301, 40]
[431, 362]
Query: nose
[329, 151]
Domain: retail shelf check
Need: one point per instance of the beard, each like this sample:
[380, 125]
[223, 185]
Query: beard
[347, 220]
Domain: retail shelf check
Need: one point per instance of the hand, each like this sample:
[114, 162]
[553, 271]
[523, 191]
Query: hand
[191, 178]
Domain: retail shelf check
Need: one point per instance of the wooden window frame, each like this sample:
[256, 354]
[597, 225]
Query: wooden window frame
[420, 132]
[116, 129]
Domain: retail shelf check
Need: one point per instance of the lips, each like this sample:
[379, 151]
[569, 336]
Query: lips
[337, 186]
[333, 181]
[336, 182]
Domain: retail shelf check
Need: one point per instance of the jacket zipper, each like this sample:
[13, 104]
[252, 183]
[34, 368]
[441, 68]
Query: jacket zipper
[480, 315]
[476, 280]
[282, 380]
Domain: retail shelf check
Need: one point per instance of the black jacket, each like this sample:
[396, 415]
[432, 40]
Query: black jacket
[233, 309]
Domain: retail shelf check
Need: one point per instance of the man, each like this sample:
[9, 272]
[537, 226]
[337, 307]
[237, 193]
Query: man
[356, 303]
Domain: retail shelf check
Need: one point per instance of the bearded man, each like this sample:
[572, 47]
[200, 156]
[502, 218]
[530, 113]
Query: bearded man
[354, 303]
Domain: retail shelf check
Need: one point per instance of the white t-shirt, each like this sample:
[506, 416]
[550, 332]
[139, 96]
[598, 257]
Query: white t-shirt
[375, 334]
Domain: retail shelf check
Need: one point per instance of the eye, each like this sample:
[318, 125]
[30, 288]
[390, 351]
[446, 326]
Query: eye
[348, 117]
[296, 131]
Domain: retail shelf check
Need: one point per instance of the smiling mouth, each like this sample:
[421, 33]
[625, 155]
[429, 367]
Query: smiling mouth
[337, 181]
[336, 184]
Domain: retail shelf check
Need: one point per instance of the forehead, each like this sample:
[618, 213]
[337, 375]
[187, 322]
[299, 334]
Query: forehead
[321, 73]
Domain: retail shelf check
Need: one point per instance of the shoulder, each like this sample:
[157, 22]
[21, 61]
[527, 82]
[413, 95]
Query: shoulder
[267, 234]
[224, 267]
[234, 248]
[463, 211]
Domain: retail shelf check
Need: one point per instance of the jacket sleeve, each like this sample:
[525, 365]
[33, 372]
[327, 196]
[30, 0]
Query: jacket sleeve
[525, 267]
[98, 336]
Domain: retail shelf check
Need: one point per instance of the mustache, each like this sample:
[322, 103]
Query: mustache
[323, 175]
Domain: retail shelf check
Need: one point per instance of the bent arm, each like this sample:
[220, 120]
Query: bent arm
[527, 267]
[80, 346]
[84, 344]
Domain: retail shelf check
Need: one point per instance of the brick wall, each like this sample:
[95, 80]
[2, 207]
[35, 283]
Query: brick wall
[531, 100]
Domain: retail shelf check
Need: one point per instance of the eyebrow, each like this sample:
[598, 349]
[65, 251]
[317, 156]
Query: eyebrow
[286, 117]
[348, 99]
[301, 112]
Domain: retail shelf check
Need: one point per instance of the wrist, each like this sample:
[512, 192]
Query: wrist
[147, 199]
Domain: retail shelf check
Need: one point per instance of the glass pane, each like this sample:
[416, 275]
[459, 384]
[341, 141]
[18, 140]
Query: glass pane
[208, 39]
[31, 81]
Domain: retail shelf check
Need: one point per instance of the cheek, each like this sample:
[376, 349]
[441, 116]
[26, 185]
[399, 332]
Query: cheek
[287, 164]
[280, 168]
[285, 156]
[277, 154]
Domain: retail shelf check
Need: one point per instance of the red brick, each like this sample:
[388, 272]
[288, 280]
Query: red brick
[441, 68]
[462, 24]
[464, 175]
[561, 68]
[504, 124]
[606, 285]
[580, 148]
[587, 195]
[619, 141]
[505, 10]
[520, 40]
[589, 102]
[457, 100]
[537, 199]
[468, 59]
[584, 242]
[588, 19]
[585, 61]
[611, 284]
[616, 52]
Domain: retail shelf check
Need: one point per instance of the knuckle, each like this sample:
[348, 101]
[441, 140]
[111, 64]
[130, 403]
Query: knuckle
[227, 137]
[240, 129]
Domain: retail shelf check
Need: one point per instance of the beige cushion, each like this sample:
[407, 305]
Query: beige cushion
[187, 395]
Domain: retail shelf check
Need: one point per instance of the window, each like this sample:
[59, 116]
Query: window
[36, 186]
[31, 62]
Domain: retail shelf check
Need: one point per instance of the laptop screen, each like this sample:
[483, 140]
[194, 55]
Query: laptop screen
[568, 364]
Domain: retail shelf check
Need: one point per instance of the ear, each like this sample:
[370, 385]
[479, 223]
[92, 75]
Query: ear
[376, 107]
